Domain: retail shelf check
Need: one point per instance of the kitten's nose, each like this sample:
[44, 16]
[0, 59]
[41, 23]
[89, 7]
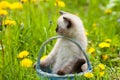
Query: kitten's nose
[57, 29]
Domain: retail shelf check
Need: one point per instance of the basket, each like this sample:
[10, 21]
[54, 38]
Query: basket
[45, 73]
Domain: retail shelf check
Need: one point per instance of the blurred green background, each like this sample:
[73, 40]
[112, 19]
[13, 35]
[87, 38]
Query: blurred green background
[26, 24]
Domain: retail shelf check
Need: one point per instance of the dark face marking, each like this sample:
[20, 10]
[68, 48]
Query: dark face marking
[69, 25]
[69, 22]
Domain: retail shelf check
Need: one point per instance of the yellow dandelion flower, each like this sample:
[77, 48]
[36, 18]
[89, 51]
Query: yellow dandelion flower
[94, 24]
[104, 44]
[3, 12]
[16, 5]
[26, 63]
[96, 69]
[59, 3]
[108, 40]
[4, 5]
[107, 45]
[88, 75]
[8, 22]
[101, 66]
[34, 1]
[23, 1]
[43, 57]
[23, 54]
[108, 11]
[102, 73]
[105, 57]
[91, 50]
[86, 33]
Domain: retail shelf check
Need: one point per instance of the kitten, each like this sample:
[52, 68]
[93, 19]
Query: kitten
[66, 57]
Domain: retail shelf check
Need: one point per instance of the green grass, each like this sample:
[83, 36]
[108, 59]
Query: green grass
[36, 22]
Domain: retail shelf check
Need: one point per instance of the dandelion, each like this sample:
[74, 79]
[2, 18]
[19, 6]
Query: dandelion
[105, 57]
[86, 33]
[59, 3]
[104, 45]
[43, 57]
[99, 69]
[4, 5]
[26, 63]
[91, 50]
[88, 75]
[3, 12]
[101, 66]
[108, 40]
[102, 73]
[33, 1]
[8, 22]
[108, 11]
[96, 69]
[94, 24]
[23, 54]
[16, 5]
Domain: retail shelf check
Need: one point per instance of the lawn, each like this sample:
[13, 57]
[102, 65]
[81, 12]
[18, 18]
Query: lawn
[26, 24]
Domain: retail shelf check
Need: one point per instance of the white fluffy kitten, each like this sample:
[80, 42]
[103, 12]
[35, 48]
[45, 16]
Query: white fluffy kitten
[66, 57]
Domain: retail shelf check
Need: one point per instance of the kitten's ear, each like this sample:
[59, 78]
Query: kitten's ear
[67, 19]
[69, 22]
[62, 12]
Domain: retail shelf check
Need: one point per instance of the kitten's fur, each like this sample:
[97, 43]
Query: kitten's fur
[66, 57]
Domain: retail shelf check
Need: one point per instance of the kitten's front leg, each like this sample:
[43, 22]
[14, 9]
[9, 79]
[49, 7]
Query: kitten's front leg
[51, 56]
[47, 61]
[50, 59]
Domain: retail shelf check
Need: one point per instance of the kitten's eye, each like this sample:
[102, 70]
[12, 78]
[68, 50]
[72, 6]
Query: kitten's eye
[69, 25]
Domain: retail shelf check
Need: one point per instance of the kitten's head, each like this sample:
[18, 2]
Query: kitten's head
[65, 24]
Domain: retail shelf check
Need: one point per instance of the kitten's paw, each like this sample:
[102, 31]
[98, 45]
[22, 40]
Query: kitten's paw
[60, 72]
[43, 64]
